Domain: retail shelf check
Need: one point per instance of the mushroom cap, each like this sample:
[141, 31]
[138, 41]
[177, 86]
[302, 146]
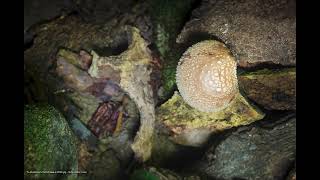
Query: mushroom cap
[207, 76]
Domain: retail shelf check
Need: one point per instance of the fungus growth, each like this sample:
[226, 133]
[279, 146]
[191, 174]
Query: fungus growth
[207, 76]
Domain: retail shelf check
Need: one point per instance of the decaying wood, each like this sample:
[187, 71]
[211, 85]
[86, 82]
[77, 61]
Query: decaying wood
[59, 63]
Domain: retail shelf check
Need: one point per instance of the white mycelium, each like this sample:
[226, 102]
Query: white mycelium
[207, 76]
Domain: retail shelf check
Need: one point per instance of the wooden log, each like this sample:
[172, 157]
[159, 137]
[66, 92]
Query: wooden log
[122, 69]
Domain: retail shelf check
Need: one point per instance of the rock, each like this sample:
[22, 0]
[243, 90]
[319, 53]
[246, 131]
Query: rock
[84, 135]
[40, 59]
[36, 11]
[163, 149]
[85, 155]
[50, 144]
[272, 89]
[98, 163]
[139, 16]
[151, 173]
[73, 76]
[88, 105]
[256, 152]
[82, 60]
[100, 11]
[103, 165]
[39, 11]
[257, 32]
[166, 153]
[28, 38]
[192, 127]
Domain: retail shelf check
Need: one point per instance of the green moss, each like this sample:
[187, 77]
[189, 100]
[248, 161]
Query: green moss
[168, 17]
[49, 144]
[169, 77]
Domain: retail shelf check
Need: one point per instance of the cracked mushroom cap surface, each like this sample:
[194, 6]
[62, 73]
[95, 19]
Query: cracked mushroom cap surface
[207, 76]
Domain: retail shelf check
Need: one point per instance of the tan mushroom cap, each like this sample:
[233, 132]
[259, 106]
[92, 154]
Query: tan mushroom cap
[207, 76]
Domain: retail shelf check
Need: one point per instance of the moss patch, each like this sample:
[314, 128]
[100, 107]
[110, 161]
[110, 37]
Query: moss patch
[168, 18]
[49, 143]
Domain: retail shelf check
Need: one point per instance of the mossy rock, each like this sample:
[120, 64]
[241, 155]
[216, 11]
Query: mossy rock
[49, 144]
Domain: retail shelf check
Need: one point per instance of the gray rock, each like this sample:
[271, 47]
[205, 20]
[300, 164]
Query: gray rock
[266, 152]
[36, 11]
[272, 89]
[160, 174]
[104, 165]
[259, 31]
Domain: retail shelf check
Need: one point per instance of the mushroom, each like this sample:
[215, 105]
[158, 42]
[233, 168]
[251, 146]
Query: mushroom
[207, 76]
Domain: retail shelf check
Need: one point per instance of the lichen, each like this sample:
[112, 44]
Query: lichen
[179, 117]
